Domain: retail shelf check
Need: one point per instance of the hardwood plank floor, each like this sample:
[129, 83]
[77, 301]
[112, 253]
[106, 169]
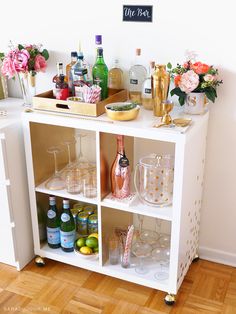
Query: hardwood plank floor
[59, 288]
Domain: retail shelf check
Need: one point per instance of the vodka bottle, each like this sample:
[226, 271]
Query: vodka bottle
[147, 99]
[137, 75]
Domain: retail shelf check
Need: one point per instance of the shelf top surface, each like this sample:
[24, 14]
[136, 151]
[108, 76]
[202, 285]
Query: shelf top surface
[12, 107]
[142, 126]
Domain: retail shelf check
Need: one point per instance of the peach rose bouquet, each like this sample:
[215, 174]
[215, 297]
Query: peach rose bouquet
[24, 59]
[194, 77]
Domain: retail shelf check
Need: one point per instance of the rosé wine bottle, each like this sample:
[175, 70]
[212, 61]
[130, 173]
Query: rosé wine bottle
[120, 172]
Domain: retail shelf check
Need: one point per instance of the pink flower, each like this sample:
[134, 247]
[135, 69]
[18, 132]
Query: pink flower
[210, 78]
[189, 81]
[21, 60]
[40, 64]
[8, 66]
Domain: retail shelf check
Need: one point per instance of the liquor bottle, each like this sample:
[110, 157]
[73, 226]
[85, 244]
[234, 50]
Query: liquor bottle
[120, 172]
[59, 72]
[78, 74]
[115, 76]
[100, 70]
[137, 75]
[53, 224]
[147, 99]
[68, 70]
[61, 89]
[78, 85]
[67, 228]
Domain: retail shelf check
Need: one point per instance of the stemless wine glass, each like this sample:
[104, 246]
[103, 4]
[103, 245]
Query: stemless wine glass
[162, 256]
[141, 250]
[55, 182]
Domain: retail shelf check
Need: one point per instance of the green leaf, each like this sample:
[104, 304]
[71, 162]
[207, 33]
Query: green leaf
[210, 94]
[181, 100]
[1, 55]
[169, 66]
[20, 47]
[178, 92]
[45, 54]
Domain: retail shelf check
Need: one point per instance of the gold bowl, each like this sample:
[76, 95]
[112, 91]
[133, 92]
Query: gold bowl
[123, 114]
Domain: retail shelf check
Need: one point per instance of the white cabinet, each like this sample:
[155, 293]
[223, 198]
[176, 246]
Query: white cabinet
[16, 243]
[182, 218]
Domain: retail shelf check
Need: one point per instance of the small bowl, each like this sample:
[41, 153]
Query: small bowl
[89, 256]
[122, 115]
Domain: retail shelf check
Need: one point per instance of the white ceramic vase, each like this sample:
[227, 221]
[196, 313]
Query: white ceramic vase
[195, 103]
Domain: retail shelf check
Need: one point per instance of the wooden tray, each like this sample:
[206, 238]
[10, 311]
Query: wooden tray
[47, 102]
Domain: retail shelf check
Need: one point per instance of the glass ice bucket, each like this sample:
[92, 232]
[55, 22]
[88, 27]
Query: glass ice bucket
[153, 179]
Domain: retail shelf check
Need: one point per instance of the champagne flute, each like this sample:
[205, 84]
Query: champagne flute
[55, 182]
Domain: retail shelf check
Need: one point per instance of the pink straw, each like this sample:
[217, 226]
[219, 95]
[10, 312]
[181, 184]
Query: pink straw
[128, 244]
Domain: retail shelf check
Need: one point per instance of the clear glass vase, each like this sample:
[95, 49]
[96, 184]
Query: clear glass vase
[28, 87]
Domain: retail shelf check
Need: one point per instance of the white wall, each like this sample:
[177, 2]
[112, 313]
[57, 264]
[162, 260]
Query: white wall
[203, 26]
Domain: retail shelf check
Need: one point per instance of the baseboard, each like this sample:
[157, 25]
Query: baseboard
[217, 256]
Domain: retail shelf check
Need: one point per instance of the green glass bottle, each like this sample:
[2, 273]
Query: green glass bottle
[53, 224]
[100, 73]
[67, 228]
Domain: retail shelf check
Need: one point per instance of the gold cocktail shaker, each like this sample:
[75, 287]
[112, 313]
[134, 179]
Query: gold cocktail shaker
[160, 88]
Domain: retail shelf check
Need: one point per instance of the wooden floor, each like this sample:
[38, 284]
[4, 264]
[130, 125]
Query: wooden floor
[59, 288]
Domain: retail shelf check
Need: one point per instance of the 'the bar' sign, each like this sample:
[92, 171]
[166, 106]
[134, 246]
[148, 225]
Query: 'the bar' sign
[137, 13]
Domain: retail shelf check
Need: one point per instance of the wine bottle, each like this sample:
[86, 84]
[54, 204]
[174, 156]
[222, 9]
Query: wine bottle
[100, 73]
[120, 172]
[53, 224]
[67, 228]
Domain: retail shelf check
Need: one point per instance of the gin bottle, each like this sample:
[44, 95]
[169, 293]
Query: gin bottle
[147, 99]
[115, 76]
[67, 228]
[120, 172]
[53, 224]
[137, 75]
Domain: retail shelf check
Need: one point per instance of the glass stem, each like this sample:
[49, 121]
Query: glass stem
[55, 162]
[69, 154]
[141, 265]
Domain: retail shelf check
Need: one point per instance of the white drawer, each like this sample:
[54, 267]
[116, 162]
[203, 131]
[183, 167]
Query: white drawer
[5, 205]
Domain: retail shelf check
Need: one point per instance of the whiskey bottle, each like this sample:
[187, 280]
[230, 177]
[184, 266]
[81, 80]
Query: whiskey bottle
[115, 76]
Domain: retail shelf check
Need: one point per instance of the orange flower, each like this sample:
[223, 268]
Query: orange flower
[200, 68]
[177, 80]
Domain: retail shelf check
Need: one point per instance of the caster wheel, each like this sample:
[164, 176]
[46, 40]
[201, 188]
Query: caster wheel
[169, 299]
[196, 258]
[39, 261]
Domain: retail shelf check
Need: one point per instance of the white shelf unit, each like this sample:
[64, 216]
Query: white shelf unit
[186, 144]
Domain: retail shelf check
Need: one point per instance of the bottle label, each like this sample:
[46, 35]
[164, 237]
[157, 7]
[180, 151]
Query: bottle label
[147, 91]
[65, 217]
[51, 214]
[124, 161]
[133, 81]
[61, 93]
[53, 235]
[67, 239]
[79, 92]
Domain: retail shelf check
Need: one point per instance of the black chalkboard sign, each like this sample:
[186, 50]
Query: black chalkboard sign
[137, 13]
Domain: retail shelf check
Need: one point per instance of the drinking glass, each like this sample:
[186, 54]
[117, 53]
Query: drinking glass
[55, 182]
[70, 163]
[74, 181]
[90, 183]
[149, 236]
[141, 250]
[164, 240]
[114, 252]
[162, 256]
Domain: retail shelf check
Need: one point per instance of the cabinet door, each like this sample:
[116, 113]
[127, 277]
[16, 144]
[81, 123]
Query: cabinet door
[7, 250]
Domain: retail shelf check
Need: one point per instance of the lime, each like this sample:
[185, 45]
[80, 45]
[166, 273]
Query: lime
[92, 242]
[86, 250]
[81, 242]
[95, 235]
[95, 250]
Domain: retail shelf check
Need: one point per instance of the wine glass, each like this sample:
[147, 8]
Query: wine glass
[149, 236]
[162, 256]
[69, 165]
[141, 250]
[140, 223]
[164, 240]
[81, 161]
[55, 182]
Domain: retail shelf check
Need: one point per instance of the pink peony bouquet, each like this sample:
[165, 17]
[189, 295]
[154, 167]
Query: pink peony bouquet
[24, 59]
[194, 77]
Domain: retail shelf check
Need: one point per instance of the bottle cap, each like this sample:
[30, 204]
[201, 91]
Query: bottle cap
[152, 64]
[73, 54]
[80, 55]
[100, 51]
[138, 52]
[65, 202]
[98, 39]
[52, 198]
[59, 64]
